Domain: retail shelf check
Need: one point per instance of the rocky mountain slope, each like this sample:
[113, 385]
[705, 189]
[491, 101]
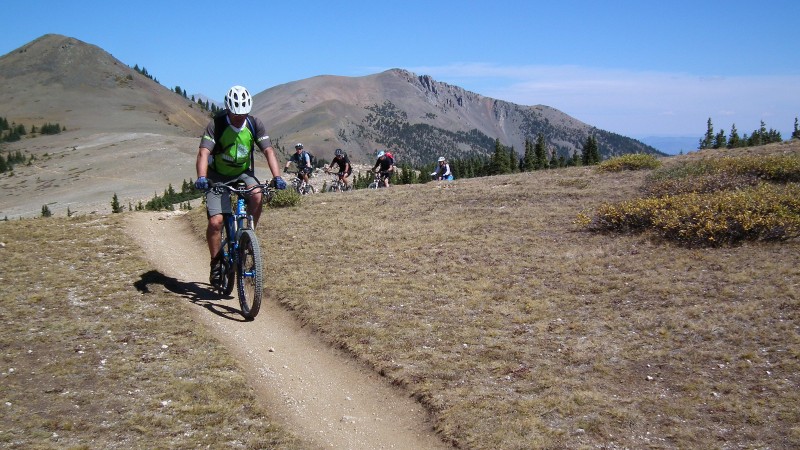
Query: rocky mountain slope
[418, 118]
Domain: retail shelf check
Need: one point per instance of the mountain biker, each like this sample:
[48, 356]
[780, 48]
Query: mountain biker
[303, 161]
[385, 166]
[442, 171]
[226, 155]
[345, 169]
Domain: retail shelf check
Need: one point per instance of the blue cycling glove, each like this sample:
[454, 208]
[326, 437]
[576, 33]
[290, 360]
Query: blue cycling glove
[279, 183]
[201, 184]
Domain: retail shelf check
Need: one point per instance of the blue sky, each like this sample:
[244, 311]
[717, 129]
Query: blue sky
[637, 68]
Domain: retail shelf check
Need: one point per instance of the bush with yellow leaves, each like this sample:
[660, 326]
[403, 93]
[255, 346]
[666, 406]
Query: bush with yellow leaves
[712, 202]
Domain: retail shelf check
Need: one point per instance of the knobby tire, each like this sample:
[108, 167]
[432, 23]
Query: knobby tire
[226, 286]
[249, 274]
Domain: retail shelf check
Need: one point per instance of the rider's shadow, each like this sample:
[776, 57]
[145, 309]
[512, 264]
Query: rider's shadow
[197, 293]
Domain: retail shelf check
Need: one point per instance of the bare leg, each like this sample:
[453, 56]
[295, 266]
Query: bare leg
[213, 235]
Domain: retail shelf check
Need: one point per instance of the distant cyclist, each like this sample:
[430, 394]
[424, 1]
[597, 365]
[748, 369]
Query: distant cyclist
[226, 154]
[384, 165]
[345, 169]
[303, 161]
[442, 171]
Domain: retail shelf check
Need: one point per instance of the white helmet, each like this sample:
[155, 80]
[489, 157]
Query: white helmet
[238, 100]
[381, 153]
[441, 159]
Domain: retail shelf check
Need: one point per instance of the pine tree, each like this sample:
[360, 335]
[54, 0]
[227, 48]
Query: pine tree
[708, 140]
[719, 140]
[554, 160]
[591, 152]
[734, 141]
[499, 163]
[796, 132]
[115, 206]
[529, 160]
[540, 153]
[46, 211]
[575, 160]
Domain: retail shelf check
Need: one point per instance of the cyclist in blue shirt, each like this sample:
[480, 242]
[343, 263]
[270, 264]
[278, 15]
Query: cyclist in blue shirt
[303, 162]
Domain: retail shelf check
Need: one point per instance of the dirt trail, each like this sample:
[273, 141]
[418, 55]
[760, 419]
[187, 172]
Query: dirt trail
[310, 387]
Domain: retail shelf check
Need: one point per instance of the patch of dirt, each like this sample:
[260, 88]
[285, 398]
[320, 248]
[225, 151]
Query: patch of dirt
[305, 384]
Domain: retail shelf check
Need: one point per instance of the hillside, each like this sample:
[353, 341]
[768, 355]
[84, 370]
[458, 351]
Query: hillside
[418, 118]
[82, 87]
[124, 133]
[554, 338]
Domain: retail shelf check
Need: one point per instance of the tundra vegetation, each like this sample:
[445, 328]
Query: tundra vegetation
[538, 309]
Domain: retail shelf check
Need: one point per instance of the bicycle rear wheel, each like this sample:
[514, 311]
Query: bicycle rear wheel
[249, 274]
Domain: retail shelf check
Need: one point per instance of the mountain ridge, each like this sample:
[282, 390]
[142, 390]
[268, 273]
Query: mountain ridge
[402, 101]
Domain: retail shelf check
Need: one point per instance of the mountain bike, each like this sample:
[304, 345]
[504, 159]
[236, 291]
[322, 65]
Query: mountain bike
[241, 254]
[337, 185]
[378, 181]
[297, 185]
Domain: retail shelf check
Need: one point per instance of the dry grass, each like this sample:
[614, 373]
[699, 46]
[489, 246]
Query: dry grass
[519, 330]
[514, 327]
[97, 354]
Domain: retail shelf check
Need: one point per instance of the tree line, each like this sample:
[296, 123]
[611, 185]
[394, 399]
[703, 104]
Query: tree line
[8, 162]
[504, 160]
[12, 132]
[760, 136]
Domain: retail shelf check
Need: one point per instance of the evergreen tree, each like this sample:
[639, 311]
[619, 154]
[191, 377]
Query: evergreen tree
[575, 160]
[796, 132]
[540, 153]
[115, 206]
[591, 152]
[708, 140]
[529, 160]
[513, 161]
[554, 160]
[499, 164]
[719, 140]
[3, 165]
[46, 211]
[734, 141]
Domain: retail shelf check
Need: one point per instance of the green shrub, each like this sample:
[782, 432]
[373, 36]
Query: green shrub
[630, 161]
[774, 168]
[284, 198]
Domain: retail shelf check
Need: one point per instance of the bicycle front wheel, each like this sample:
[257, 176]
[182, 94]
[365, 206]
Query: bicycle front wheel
[249, 274]
[226, 283]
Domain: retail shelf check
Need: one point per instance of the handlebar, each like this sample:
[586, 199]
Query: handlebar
[219, 188]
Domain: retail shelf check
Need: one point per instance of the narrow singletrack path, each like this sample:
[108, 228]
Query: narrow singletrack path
[307, 385]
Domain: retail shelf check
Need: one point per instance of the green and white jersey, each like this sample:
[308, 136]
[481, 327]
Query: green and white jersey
[231, 151]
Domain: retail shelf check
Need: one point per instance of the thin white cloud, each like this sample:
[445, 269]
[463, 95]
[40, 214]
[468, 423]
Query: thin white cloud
[636, 103]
